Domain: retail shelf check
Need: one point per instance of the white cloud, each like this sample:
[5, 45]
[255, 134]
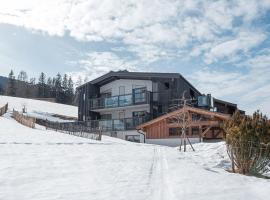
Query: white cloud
[161, 29]
[156, 24]
[247, 85]
[98, 63]
[244, 41]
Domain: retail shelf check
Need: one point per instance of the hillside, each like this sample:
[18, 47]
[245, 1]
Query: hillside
[3, 81]
[3, 84]
[37, 164]
[37, 106]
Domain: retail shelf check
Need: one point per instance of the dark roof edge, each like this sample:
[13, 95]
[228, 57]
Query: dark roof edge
[225, 102]
[189, 84]
[145, 74]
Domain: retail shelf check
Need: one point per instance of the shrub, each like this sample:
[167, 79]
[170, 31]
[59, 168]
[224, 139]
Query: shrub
[248, 143]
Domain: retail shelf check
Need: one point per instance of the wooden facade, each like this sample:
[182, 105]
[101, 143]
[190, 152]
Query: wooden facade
[200, 123]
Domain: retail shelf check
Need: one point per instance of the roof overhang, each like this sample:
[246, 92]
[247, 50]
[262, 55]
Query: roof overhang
[220, 116]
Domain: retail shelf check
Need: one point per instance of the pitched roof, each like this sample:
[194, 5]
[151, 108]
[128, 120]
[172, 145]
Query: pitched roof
[221, 116]
[124, 74]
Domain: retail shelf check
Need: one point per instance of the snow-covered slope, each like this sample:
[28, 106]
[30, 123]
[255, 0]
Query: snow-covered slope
[39, 164]
[34, 106]
[36, 164]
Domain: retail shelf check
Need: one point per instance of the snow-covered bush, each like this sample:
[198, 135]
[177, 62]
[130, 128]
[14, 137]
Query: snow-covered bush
[248, 143]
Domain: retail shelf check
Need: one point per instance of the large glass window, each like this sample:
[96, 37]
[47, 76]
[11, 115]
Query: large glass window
[138, 117]
[139, 95]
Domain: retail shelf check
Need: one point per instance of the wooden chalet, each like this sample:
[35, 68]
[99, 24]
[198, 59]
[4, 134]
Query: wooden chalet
[199, 123]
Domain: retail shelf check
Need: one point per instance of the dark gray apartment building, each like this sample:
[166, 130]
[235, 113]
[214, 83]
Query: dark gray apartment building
[119, 101]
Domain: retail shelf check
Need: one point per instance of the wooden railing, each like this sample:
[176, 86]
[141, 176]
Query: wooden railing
[3, 109]
[27, 121]
[79, 129]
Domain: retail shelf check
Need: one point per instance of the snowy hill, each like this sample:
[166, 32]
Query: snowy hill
[37, 106]
[37, 164]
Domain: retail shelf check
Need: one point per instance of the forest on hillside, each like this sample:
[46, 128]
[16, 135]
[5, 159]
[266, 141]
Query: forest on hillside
[59, 88]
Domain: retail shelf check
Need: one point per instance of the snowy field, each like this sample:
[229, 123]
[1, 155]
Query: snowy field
[36, 164]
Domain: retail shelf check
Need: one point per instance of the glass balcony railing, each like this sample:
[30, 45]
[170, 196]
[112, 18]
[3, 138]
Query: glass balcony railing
[118, 124]
[120, 101]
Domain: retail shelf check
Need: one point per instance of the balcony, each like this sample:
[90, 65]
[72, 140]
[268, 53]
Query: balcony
[137, 98]
[118, 124]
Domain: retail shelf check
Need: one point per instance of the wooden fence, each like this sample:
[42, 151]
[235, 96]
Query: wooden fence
[3, 109]
[27, 121]
[79, 129]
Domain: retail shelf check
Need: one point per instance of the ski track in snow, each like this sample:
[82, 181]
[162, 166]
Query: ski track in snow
[159, 183]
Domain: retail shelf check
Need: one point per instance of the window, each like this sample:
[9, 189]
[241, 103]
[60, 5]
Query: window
[139, 95]
[133, 138]
[138, 117]
[195, 131]
[139, 113]
[106, 116]
[175, 131]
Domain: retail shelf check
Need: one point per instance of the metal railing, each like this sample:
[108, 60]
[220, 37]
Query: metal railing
[117, 124]
[120, 100]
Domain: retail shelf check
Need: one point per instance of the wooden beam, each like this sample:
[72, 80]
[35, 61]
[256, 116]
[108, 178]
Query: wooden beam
[206, 130]
[173, 115]
[195, 124]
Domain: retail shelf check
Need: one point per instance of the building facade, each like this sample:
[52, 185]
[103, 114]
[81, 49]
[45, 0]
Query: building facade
[120, 101]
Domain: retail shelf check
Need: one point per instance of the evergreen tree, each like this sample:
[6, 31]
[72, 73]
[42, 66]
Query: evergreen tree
[248, 139]
[23, 76]
[11, 87]
[58, 88]
[22, 85]
[65, 83]
[65, 97]
[50, 87]
[42, 85]
[70, 91]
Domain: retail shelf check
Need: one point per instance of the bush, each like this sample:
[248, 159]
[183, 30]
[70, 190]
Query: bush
[248, 143]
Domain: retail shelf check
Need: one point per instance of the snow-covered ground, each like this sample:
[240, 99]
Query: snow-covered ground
[46, 116]
[36, 164]
[35, 106]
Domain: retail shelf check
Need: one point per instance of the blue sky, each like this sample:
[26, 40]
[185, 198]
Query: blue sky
[222, 47]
